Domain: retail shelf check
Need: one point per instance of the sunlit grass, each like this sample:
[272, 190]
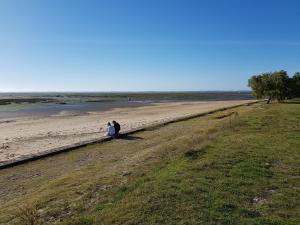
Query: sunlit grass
[208, 170]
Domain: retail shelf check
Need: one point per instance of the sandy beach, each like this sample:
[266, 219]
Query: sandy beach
[29, 135]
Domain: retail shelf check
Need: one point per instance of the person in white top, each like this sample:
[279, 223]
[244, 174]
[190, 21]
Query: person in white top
[110, 130]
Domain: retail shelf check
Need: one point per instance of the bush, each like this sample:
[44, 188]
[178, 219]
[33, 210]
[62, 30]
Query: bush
[28, 215]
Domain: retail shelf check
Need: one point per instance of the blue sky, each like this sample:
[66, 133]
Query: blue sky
[145, 45]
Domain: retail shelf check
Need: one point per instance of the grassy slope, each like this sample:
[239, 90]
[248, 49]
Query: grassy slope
[248, 174]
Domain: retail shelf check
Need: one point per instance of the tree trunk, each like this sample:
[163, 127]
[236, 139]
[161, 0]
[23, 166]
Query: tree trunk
[269, 100]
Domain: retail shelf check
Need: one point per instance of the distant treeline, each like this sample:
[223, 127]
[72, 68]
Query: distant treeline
[275, 85]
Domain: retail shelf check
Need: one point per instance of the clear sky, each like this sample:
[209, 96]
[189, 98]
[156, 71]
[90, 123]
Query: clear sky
[145, 45]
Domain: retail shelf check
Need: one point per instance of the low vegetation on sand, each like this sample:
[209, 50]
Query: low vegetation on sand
[238, 166]
[22, 103]
[7, 101]
[124, 96]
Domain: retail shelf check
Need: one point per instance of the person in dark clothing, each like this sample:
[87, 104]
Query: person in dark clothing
[117, 128]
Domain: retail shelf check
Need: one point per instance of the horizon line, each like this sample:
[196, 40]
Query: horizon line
[122, 91]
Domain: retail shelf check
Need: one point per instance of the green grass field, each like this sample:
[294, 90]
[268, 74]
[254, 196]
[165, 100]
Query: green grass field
[242, 169]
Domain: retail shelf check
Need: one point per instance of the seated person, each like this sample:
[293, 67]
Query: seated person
[117, 127]
[110, 130]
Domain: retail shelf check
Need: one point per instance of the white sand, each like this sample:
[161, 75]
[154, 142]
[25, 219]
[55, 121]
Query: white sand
[25, 136]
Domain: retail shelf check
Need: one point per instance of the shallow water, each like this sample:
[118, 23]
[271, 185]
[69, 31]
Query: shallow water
[81, 103]
[45, 109]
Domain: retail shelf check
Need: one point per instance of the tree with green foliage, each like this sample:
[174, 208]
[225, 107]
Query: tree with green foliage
[279, 86]
[296, 85]
[274, 85]
[256, 83]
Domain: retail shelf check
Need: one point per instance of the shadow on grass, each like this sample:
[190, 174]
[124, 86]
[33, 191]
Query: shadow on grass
[196, 153]
[130, 137]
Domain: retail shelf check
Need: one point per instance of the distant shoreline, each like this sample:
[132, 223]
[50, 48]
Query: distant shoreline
[46, 104]
[139, 95]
